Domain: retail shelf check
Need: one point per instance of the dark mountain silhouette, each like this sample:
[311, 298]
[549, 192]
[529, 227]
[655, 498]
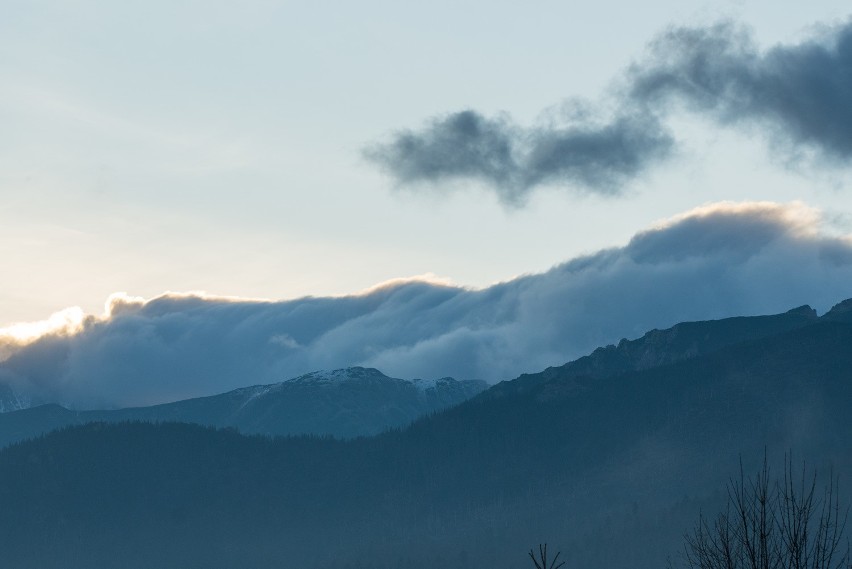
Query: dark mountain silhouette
[611, 463]
[342, 403]
[659, 347]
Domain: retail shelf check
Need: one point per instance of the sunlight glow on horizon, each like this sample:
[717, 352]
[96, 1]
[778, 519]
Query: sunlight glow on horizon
[67, 321]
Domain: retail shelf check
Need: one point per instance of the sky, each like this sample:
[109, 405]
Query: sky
[267, 151]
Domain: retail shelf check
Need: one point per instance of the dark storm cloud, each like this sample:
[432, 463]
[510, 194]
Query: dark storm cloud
[799, 95]
[720, 260]
[597, 158]
[463, 145]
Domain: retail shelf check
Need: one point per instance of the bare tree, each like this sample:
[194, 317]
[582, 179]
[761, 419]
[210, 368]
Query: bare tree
[781, 524]
[541, 562]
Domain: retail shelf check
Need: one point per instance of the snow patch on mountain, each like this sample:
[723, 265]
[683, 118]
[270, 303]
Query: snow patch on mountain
[10, 400]
[427, 384]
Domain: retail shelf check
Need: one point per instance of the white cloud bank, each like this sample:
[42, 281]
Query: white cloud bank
[719, 260]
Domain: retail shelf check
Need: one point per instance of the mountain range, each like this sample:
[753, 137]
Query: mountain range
[343, 403]
[610, 458]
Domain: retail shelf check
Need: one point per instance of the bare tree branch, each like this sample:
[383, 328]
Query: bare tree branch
[780, 524]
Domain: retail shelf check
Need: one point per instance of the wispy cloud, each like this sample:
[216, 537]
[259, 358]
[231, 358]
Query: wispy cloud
[719, 260]
[798, 94]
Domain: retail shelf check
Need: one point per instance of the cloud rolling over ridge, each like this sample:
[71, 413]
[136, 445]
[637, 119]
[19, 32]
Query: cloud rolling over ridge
[716, 261]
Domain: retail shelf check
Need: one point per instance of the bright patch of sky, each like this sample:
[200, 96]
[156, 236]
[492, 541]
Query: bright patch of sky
[216, 146]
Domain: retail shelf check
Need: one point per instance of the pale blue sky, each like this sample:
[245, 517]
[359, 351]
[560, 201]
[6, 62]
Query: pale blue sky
[154, 146]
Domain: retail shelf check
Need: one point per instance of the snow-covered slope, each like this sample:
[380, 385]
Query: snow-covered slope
[10, 400]
[344, 403]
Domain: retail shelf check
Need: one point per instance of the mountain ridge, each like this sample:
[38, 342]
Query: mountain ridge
[344, 403]
[681, 341]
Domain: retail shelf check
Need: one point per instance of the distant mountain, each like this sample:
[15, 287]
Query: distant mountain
[609, 459]
[343, 403]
